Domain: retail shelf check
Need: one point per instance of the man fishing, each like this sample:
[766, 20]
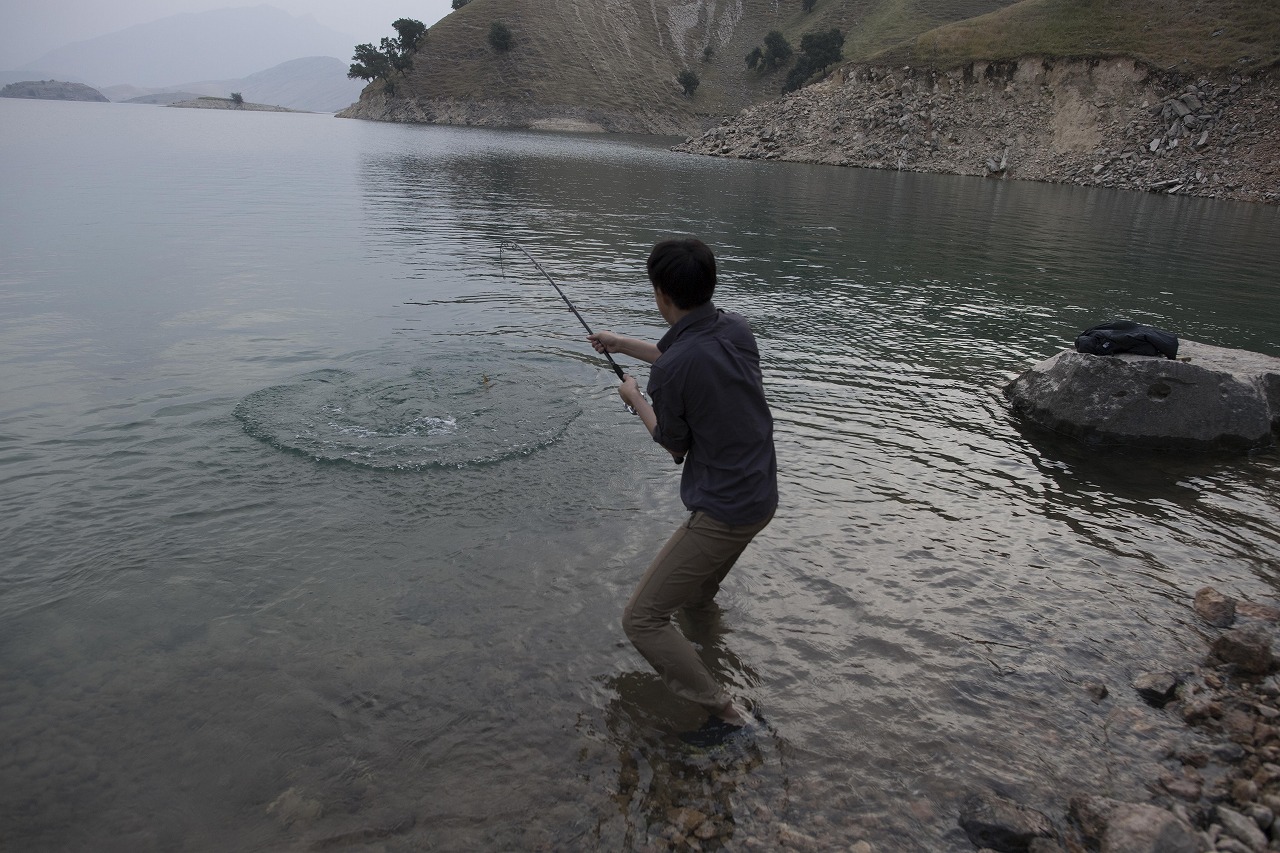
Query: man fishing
[708, 409]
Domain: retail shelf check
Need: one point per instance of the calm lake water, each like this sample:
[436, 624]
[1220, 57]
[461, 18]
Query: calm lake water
[318, 513]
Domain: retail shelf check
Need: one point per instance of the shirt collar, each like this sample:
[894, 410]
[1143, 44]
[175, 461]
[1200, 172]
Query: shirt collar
[702, 312]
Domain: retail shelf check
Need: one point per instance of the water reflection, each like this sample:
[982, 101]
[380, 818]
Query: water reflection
[197, 623]
[937, 568]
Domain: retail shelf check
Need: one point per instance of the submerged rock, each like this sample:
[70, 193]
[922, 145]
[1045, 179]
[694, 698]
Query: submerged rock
[1157, 689]
[1242, 828]
[1148, 829]
[1249, 648]
[1121, 827]
[1215, 608]
[1000, 824]
[1211, 398]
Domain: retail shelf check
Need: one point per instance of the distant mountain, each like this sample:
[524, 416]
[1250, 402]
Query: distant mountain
[162, 98]
[217, 45]
[21, 75]
[317, 84]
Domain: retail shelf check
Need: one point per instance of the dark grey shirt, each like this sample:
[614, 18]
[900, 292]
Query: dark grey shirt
[708, 396]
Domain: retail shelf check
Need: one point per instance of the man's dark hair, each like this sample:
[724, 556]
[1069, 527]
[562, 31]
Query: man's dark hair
[685, 270]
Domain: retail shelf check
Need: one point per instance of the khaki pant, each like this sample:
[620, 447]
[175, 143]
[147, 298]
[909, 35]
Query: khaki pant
[686, 573]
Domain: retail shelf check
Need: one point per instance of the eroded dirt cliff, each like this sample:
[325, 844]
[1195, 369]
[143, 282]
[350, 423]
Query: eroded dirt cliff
[1114, 123]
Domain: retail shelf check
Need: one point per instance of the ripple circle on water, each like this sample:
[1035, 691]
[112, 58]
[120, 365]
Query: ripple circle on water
[429, 417]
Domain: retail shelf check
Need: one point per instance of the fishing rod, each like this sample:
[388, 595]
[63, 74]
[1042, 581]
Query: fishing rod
[532, 260]
[612, 363]
[616, 369]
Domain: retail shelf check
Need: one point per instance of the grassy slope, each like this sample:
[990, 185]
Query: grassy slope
[624, 55]
[1189, 35]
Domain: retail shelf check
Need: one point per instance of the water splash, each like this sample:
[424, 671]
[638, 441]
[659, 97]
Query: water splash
[430, 417]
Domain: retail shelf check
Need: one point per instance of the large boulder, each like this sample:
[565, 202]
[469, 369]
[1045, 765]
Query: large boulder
[1210, 398]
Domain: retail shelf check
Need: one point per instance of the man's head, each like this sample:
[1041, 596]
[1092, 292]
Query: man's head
[684, 270]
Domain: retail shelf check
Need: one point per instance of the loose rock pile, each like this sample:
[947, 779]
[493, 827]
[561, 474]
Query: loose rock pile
[1117, 124]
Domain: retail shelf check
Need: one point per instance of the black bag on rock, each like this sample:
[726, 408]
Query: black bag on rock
[1122, 336]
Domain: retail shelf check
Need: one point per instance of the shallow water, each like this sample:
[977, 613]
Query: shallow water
[319, 513]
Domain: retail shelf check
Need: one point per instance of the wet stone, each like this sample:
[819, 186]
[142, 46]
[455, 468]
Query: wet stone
[993, 821]
[1248, 647]
[1182, 787]
[1200, 709]
[1241, 828]
[1215, 608]
[1252, 610]
[1148, 829]
[1156, 688]
[1261, 815]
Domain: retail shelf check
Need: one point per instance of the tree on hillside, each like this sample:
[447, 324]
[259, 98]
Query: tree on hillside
[369, 63]
[822, 49]
[500, 37]
[688, 81]
[817, 51]
[777, 50]
[237, 99]
[808, 4]
[411, 33]
[393, 55]
[458, 4]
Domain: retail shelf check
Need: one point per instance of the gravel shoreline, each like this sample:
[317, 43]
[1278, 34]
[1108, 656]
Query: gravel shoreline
[1114, 124]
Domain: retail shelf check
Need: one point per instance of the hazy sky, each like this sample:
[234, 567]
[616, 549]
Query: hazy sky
[31, 28]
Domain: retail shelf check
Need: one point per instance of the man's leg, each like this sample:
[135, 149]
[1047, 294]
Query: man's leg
[695, 559]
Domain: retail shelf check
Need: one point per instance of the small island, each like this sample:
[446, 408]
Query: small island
[235, 102]
[163, 98]
[53, 90]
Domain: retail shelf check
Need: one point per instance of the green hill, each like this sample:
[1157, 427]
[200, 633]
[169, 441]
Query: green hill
[613, 64]
[1240, 36]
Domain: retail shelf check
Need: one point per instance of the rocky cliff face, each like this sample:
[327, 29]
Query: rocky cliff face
[52, 90]
[1114, 123]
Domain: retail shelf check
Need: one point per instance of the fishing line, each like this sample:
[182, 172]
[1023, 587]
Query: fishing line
[616, 369]
[532, 260]
[572, 307]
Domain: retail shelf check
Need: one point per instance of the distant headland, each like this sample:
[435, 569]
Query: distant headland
[52, 90]
[232, 103]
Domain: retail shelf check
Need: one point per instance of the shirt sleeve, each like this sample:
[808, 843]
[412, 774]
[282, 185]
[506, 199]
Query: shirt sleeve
[672, 431]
